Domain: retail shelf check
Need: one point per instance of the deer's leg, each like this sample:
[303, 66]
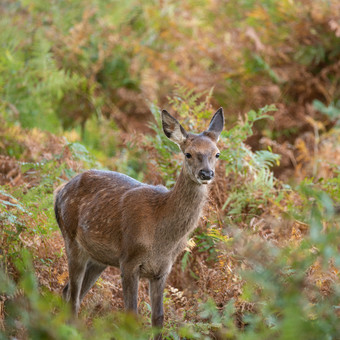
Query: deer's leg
[156, 296]
[66, 292]
[93, 271]
[130, 280]
[77, 261]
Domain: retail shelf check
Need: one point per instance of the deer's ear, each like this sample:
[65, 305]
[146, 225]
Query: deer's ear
[216, 125]
[173, 129]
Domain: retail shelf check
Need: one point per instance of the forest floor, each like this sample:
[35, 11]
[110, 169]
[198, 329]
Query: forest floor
[224, 245]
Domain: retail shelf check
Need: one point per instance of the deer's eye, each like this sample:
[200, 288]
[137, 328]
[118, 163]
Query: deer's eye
[217, 155]
[188, 155]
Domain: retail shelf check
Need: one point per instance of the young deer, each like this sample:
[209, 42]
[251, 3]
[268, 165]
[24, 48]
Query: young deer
[110, 219]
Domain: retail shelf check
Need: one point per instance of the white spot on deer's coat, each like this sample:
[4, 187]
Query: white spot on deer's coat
[84, 226]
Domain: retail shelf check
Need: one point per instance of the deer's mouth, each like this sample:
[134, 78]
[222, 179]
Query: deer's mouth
[198, 180]
[204, 181]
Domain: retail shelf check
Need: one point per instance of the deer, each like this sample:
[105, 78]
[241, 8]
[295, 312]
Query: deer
[110, 219]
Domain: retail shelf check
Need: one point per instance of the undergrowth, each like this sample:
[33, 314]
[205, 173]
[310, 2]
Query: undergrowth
[264, 265]
[264, 260]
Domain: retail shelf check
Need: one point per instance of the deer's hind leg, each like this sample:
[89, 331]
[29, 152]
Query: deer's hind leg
[77, 264]
[92, 273]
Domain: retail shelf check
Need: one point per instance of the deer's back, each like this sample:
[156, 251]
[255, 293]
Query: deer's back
[113, 216]
[88, 210]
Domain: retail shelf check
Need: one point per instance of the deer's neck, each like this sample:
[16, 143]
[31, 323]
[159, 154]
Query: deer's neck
[184, 206]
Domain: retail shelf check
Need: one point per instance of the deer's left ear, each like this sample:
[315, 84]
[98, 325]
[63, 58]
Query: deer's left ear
[173, 129]
[216, 125]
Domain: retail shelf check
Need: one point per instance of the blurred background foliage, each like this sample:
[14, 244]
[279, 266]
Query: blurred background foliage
[82, 84]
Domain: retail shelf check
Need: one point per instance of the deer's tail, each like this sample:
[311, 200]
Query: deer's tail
[56, 202]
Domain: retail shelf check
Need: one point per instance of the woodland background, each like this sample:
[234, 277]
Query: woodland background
[81, 86]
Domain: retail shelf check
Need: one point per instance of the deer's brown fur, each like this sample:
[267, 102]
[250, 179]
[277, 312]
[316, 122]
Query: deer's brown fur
[110, 219]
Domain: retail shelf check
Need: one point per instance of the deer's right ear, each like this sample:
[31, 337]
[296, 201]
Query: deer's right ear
[173, 129]
[216, 125]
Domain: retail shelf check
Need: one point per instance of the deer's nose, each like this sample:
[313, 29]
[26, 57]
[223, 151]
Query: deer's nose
[206, 174]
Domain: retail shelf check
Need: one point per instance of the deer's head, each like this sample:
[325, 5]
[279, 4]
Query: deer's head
[200, 151]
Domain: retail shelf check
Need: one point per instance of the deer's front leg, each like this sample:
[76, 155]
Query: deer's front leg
[130, 280]
[156, 296]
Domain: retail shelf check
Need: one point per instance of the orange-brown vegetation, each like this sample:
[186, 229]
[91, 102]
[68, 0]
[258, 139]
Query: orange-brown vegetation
[265, 253]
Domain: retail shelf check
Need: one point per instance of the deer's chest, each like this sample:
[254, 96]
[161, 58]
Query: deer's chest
[160, 259]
